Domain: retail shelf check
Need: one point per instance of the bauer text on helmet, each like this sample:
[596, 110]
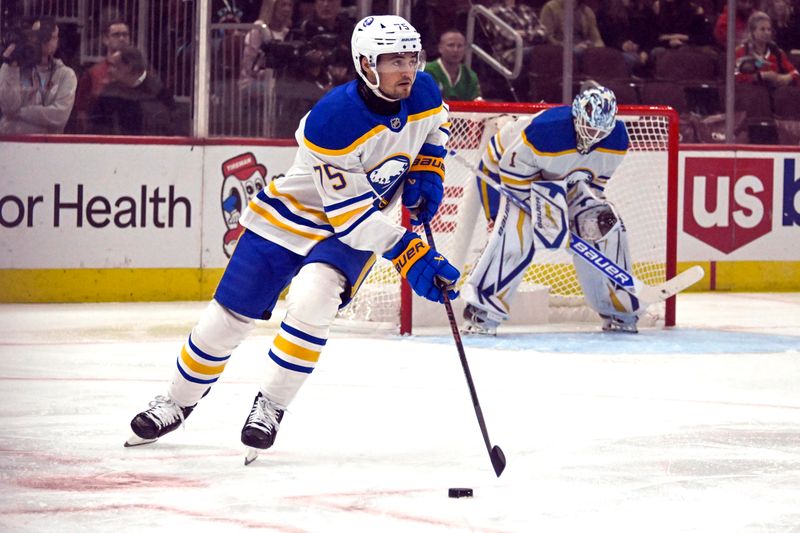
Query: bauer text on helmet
[387, 34]
[594, 111]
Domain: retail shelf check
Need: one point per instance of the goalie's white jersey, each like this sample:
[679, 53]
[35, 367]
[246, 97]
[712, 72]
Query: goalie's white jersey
[544, 148]
[349, 170]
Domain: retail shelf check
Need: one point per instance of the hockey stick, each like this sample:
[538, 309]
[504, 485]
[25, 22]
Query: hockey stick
[496, 455]
[648, 294]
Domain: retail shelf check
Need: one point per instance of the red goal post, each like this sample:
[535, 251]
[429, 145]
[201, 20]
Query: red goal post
[644, 190]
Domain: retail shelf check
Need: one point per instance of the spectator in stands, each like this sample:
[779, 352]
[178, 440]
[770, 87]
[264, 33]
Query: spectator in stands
[116, 34]
[625, 25]
[681, 24]
[441, 16]
[785, 23]
[744, 8]
[456, 80]
[759, 60]
[339, 68]
[134, 102]
[523, 19]
[273, 25]
[37, 91]
[328, 30]
[586, 33]
[329, 20]
[235, 11]
[260, 64]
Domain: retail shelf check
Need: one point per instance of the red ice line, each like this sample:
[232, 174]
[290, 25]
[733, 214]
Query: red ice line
[319, 499]
[150, 507]
[124, 480]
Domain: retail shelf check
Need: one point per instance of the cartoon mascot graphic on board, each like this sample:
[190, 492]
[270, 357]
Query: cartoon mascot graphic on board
[243, 177]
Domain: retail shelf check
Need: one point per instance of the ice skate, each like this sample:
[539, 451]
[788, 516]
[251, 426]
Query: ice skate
[163, 416]
[477, 322]
[261, 426]
[619, 324]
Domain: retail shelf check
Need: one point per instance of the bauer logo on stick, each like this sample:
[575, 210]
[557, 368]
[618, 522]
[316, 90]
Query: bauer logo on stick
[601, 263]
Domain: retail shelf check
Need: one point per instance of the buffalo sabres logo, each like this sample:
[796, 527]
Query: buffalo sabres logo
[395, 123]
[578, 175]
[387, 176]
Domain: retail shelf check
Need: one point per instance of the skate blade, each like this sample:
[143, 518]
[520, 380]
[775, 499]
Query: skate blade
[135, 440]
[252, 455]
[478, 332]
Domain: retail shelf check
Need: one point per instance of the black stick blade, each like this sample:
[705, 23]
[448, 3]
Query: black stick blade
[498, 460]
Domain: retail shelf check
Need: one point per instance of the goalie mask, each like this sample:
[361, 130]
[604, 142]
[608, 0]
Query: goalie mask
[385, 34]
[594, 113]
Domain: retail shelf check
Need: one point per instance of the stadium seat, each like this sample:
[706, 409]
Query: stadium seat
[754, 100]
[788, 131]
[546, 72]
[686, 65]
[603, 64]
[697, 72]
[627, 92]
[664, 93]
[786, 102]
[711, 129]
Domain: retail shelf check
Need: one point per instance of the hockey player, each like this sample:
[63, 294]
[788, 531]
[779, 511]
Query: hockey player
[363, 147]
[558, 162]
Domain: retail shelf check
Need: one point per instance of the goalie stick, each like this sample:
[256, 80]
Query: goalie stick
[648, 294]
[496, 455]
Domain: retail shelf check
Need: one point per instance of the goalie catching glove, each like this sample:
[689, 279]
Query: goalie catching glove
[428, 272]
[424, 188]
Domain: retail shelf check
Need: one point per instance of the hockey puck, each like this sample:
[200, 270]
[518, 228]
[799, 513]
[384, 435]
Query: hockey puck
[459, 493]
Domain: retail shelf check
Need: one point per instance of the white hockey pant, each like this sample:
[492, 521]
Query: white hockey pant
[493, 282]
[596, 221]
[312, 303]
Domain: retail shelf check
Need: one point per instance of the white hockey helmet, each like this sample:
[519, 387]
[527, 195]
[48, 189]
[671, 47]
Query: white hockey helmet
[384, 34]
[594, 112]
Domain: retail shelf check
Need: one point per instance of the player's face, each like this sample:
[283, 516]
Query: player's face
[397, 73]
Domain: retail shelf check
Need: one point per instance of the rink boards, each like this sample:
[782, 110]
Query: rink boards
[90, 219]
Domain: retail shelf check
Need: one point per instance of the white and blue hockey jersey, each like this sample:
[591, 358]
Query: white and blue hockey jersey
[544, 148]
[349, 170]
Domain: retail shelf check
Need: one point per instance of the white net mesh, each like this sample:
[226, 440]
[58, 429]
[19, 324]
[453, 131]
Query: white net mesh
[638, 190]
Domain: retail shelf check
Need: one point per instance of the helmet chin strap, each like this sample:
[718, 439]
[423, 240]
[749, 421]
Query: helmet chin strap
[380, 94]
[376, 87]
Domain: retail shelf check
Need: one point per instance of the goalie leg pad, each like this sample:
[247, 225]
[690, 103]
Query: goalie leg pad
[206, 352]
[549, 211]
[311, 306]
[602, 295]
[502, 264]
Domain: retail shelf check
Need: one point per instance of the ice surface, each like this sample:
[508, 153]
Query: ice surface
[696, 428]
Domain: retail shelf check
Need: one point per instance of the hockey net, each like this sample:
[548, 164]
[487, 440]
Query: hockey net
[643, 189]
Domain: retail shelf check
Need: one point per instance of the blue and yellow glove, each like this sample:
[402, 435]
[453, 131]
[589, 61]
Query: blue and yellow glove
[426, 270]
[424, 188]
